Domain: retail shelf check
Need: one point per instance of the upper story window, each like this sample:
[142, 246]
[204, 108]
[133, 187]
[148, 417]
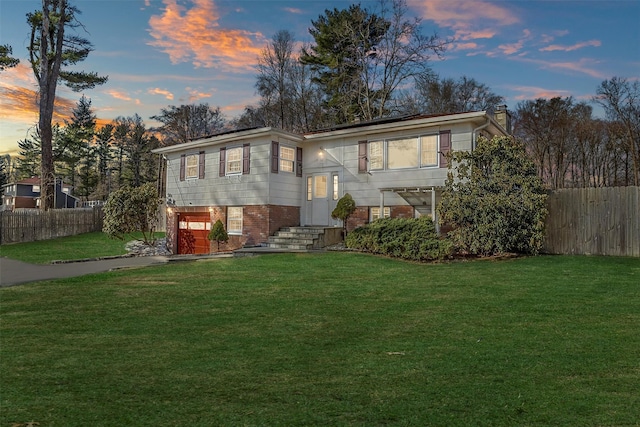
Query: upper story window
[404, 153]
[429, 150]
[234, 161]
[287, 159]
[192, 166]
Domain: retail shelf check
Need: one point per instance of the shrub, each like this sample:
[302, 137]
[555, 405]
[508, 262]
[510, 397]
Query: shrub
[132, 209]
[345, 207]
[493, 200]
[406, 238]
[218, 233]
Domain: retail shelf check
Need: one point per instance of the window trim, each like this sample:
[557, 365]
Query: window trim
[230, 218]
[383, 156]
[437, 156]
[195, 166]
[228, 160]
[386, 212]
[288, 162]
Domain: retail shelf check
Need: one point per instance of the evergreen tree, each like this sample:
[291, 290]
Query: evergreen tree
[52, 50]
[218, 233]
[6, 60]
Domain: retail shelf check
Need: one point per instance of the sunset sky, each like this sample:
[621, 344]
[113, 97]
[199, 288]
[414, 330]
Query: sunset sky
[159, 53]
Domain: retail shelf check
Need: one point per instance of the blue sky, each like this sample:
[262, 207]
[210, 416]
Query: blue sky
[159, 53]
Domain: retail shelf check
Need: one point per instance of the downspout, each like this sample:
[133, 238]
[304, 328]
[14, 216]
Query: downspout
[476, 130]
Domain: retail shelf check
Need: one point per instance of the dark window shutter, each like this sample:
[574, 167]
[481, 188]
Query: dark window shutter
[362, 156]
[183, 161]
[222, 165]
[445, 147]
[298, 161]
[275, 156]
[201, 165]
[246, 164]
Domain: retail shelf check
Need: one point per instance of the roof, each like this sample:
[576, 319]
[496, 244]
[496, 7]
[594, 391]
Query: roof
[34, 180]
[373, 126]
[229, 136]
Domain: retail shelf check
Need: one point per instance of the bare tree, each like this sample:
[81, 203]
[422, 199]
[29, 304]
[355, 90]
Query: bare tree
[621, 101]
[186, 122]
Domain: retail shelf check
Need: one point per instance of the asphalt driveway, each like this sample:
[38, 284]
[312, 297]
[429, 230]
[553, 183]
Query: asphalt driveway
[14, 272]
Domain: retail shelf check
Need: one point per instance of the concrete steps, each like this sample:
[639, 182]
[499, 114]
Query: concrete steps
[297, 238]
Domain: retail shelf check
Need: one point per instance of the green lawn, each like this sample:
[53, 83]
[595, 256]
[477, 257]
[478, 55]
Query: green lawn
[82, 246]
[333, 339]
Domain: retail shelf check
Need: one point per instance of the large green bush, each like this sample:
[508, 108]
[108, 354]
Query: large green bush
[407, 238]
[130, 210]
[493, 200]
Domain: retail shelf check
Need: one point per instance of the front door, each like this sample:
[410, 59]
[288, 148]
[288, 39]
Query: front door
[322, 190]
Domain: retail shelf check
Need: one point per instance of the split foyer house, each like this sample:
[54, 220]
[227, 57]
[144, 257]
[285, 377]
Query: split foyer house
[257, 181]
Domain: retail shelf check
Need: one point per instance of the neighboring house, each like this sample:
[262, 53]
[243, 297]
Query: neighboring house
[26, 194]
[259, 180]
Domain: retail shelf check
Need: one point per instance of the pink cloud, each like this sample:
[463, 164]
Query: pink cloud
[293, 10]
[194, 35]
[532, 92]
[158, 91]
[469, 19]
[556, 47]
[195, 95]
[123, 96]
[582, 66]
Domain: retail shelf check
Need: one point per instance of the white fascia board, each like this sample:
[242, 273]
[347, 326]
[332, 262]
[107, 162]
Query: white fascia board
[229, 137]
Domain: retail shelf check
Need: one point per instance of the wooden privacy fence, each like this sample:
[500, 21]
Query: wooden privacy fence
[29, 225]
[594, 221]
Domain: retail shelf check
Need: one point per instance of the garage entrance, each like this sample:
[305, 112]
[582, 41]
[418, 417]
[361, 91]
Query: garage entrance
[192, 233]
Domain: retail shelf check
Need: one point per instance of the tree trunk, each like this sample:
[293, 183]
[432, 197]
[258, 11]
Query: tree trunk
[49, 72]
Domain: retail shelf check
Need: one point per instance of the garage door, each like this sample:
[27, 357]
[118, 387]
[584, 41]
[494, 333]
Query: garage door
[192, 233]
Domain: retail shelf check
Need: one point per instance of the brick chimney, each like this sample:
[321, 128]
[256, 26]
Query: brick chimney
[503, 117]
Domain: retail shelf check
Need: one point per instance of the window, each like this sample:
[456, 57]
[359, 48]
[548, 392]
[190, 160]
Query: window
[429, 150]
[376, 155]
[234, 161]
[234, 220]
[335, 187]
[287, 158]
[402, 153]
[309, 188]
[192, 166]
[375, 212]
[320, 186]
